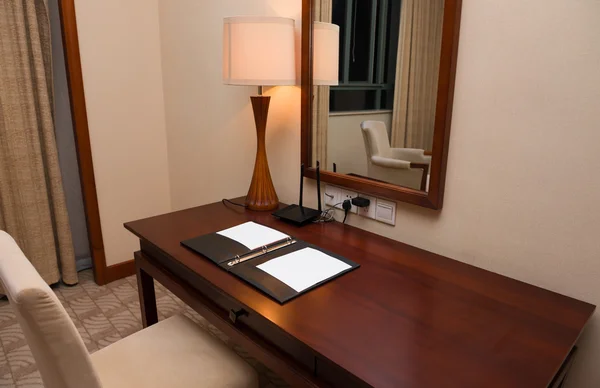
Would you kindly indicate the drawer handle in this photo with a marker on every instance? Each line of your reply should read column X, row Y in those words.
column 234, row 315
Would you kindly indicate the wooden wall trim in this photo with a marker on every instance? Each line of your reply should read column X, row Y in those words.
column 82, row 137
column 306, row 82
column 120, row 271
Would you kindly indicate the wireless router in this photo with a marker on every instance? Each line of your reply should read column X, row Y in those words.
column 298, row 214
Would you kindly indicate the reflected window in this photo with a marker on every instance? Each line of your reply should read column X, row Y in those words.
column 368, row 50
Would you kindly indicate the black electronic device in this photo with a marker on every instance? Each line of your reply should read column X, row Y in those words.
column 299, row 214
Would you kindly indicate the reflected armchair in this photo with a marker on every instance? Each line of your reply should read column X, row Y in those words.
column 407, row 167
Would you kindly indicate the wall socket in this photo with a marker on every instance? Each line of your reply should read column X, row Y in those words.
column 332, row 195
column 348, row 195
column 379, row 209
column 369, row 211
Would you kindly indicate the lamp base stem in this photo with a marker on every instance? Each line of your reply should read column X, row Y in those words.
column 261, row 195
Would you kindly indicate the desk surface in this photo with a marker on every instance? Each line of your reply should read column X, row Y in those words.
column 407, row 317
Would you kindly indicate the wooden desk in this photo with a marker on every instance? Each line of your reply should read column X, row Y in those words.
column 406, row 318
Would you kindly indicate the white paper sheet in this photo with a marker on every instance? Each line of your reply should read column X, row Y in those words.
column 253, row 235
column 303, row 268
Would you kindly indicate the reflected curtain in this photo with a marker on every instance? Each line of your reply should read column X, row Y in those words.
column 32, row 201
column 320, row 113
column 417, row 71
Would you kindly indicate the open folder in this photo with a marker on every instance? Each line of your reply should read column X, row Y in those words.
column 277, row 264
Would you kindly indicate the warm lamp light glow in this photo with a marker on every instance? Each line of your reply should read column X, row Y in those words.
column 258, row 50
column 326, row 46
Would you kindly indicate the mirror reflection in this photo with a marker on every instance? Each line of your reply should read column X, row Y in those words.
column 376, row 67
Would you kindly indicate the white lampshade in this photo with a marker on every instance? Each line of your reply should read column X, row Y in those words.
column 326, row 51
column 258, row 50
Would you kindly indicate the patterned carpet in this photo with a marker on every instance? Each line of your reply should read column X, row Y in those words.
column 103, row 315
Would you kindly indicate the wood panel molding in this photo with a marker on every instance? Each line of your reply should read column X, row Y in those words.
column 119, row 271
column 82, row 137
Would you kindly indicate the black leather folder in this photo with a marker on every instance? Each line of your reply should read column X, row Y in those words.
column 241, row 261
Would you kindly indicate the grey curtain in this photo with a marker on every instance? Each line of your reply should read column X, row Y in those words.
column 65, row 142
column 32, row 201
column 417, row 71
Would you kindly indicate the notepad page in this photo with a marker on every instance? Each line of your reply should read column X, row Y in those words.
column 304, row 268
column 253, row 235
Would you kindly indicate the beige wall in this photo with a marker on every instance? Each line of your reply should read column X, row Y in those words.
column 345, row 144
column 211, row 132
column 120, row 55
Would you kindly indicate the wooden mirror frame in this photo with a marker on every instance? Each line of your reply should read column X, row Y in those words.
column 443, row 117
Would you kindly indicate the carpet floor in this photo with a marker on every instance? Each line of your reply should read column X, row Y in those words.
column 103, row 315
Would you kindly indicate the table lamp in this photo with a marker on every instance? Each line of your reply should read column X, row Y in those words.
column 259, row 51
column 326, row 54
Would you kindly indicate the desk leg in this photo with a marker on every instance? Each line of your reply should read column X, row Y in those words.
column 147, row 296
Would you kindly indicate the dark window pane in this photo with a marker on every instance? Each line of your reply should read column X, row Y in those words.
column 352, row 100
column 360, row 43
column 368, row 51
column 339, row 17
column 379, row 45
column 387, row 99
column 392, row 39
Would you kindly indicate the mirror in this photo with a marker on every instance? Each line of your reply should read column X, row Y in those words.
column 381, row 94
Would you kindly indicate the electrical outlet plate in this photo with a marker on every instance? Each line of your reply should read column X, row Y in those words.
column 385, row 211
column 348, row 195
column 379, row 209
column 369, row 211
column 332, row 195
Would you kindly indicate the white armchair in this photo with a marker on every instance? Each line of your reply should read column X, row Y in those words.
column 399, row 166
column 174, row 353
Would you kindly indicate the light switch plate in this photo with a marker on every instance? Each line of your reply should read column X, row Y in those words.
column 369, row 211
column 386, row 211
column 332, row 195
column 349, row 195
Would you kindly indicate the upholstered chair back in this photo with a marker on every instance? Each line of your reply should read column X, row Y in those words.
column 377, row 142
column 59, row 351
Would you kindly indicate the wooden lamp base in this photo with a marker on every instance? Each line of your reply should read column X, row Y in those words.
column 261, row 195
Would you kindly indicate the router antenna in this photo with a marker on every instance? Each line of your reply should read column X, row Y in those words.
column 319, row 185
column 301, row 184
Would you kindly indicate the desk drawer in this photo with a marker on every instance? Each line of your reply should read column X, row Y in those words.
column 249, row 328
column 263, row 328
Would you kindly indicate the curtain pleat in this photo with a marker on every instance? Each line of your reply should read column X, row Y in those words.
column 32, row 201
column 320, row 119
column 417, row 72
